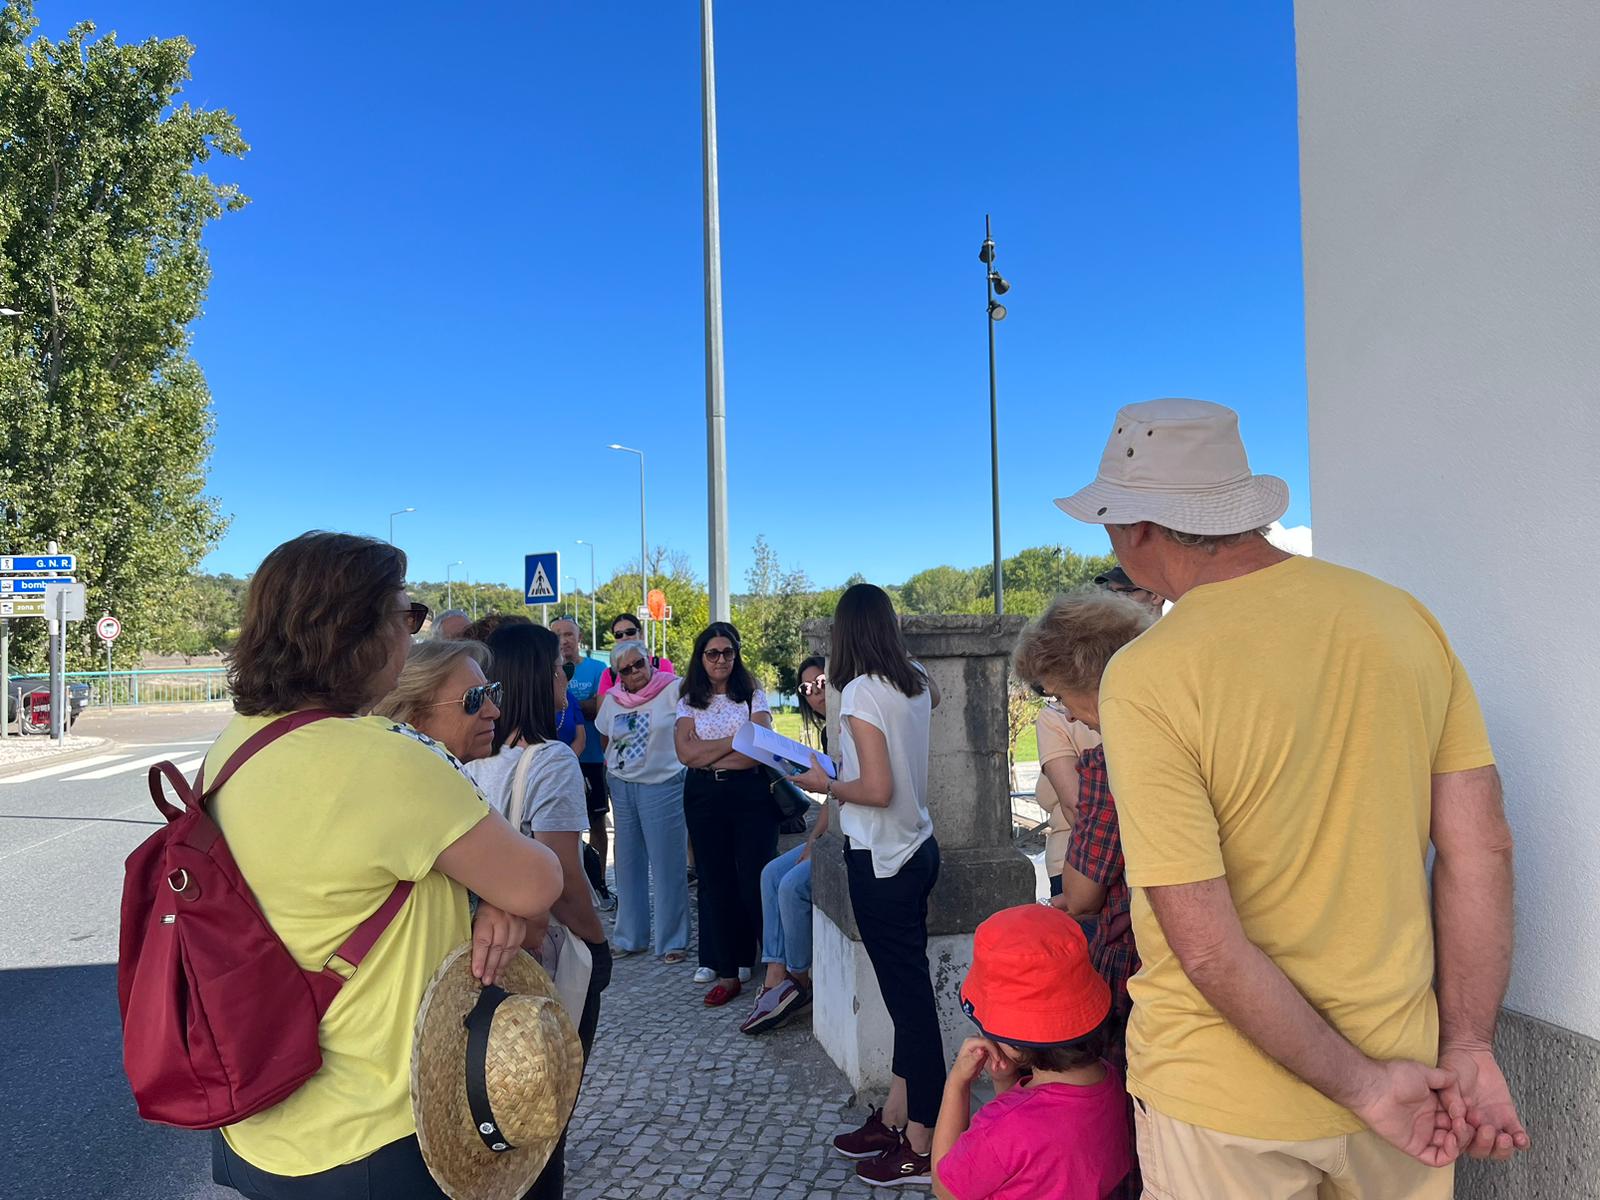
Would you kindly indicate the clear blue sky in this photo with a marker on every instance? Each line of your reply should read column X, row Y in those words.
column 473, row 258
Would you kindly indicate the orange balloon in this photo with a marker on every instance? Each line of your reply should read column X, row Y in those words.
column 657, row 604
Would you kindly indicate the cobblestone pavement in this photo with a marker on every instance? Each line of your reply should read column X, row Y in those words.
column 678, row 1103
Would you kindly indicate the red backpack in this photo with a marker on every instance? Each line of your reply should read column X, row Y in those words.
column 218, row 1020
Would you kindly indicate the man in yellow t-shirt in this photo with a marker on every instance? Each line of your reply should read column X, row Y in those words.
column 1284, row 746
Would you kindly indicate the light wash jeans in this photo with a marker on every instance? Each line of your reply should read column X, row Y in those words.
column 652, row 852
column 786, row 911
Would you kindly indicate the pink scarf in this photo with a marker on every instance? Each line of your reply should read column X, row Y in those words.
column 648, row 692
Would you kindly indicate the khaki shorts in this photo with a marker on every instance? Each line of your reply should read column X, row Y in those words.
column 1185, row 1162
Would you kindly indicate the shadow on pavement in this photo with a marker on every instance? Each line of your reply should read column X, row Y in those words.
column 67, row 1119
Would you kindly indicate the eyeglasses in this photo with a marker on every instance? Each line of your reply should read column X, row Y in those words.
column 629, row 668
column 472, row 699
column 624, row 635
column 819, row 684
column 416, row 616
column 724, row 655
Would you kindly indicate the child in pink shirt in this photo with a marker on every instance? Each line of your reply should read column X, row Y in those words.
column 1057, row 1128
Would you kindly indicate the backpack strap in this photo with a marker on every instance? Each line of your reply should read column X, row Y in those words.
column 256, row 742
column 325, row 984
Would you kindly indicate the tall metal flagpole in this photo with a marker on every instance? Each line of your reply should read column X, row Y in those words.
column 716, row 410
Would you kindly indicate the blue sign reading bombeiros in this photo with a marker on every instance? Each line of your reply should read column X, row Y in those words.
column 10, row 564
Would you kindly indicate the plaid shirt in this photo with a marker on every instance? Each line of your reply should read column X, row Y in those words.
column 1095, row 852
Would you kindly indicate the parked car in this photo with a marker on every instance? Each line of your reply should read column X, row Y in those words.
column 32, row 719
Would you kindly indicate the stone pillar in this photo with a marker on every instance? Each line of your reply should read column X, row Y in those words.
column 969, row 798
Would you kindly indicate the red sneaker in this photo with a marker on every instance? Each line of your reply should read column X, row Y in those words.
column 899, row 1167
column 870, row 1140
column 721, row 994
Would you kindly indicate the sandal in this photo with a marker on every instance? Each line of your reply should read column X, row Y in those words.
column 674, row 957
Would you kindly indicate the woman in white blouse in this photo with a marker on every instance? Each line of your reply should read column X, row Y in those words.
column 733, row 821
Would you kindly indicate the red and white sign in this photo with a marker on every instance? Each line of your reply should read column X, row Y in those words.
column 108, row 627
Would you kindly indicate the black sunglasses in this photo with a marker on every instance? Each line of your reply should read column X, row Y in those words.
column 637, row 664
column 416, row 616
column 723, row 655
column 472, row 699
column 624, row 635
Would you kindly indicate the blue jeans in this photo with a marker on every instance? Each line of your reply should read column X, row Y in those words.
column 652, row 852
column 786, row 911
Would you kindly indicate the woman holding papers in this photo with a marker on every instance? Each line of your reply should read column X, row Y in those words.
column 891, row 862
column 786, row 890
column 636, row 721
column 733, row 822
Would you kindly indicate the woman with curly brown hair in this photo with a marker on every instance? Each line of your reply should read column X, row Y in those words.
column 324, row 823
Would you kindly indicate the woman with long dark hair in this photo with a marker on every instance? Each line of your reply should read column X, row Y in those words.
column 892, row 863
column 554, row 807
column 733, row 823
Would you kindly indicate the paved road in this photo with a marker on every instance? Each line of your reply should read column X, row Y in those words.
column 676, row 1102
column 66, row 1118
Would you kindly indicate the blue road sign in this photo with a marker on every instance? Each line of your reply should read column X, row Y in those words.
column 541, row 575
column 32, row 585
column 10, row 564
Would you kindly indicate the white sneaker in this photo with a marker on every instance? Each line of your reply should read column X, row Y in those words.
column 744, row 974
column 704, row 975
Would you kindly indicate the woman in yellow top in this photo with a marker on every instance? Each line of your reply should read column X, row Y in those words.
column 323, row 823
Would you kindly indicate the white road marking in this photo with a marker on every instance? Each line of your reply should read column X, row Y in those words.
column 61, row 768
column 136, row 765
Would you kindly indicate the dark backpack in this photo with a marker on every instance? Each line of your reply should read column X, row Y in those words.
column 218, row 1020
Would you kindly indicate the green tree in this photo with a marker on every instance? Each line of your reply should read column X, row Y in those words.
column 769, row 617
column 105, row 421
column 203, row 618
column 686, row 594
column 941, row 590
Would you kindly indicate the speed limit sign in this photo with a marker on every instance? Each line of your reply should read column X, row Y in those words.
column 108, row 628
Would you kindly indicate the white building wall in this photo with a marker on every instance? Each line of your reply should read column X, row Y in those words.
column 1450, row 174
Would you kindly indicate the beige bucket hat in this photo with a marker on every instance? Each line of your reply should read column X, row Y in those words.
column 494, row 1076
column 1179, row 463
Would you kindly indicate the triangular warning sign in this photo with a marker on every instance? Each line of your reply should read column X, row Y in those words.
column 540, row 584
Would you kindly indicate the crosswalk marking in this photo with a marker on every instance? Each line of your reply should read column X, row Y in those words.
column 137, row 764
column 61, row 768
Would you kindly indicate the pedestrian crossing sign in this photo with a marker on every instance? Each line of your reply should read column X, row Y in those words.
column 539, row 575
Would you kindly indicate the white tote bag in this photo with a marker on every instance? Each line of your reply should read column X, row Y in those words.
column 563, row 954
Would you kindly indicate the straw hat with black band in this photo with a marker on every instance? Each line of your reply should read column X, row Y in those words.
column 494, row 1077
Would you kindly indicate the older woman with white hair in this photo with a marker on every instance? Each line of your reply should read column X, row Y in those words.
column 636, row 722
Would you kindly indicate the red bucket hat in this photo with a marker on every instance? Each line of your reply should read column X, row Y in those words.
column 1031, row 982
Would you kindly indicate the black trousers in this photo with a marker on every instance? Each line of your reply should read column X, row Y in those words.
column 892, row 915
column 392, row 1172
column 552, row 1180
column 734, row 828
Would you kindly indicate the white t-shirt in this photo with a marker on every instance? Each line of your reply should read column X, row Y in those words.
column 641, row 749
column 892, row 834
column 723, row 716
column 554, row 800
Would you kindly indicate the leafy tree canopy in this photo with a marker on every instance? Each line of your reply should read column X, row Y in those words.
column 105, row 418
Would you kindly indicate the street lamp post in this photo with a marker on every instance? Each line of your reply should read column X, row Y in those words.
column 644, row 568
column 997, row 286
column 716, row 405
column 449, row 592
column 399, row 512
column 594, row 627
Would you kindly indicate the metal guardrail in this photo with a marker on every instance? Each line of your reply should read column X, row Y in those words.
column 156, row 685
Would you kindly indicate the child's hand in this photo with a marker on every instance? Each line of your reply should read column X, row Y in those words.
column 970, row 1061
column 1002, row 1068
